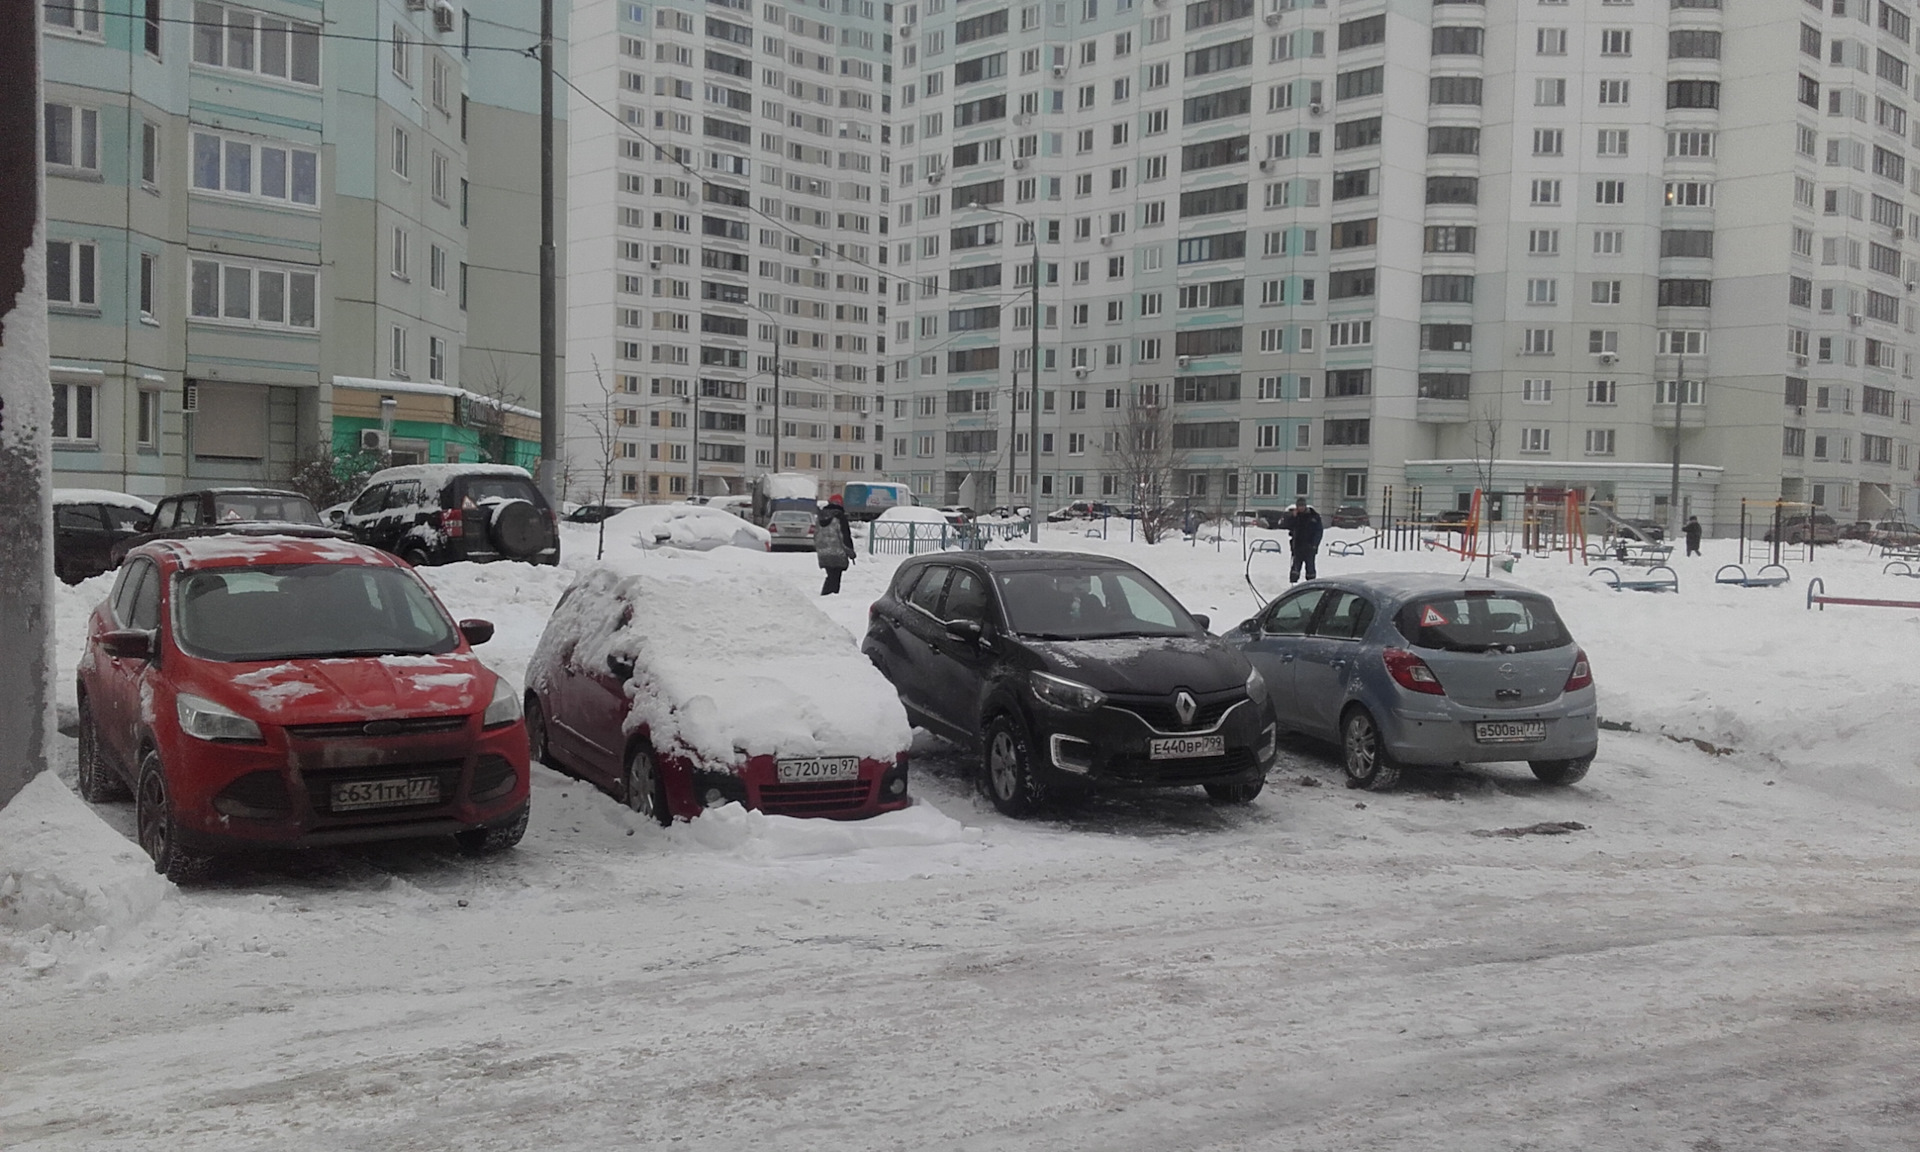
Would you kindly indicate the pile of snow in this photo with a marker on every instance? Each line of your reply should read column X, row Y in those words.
column 751, row 835
column 693, row 527
column 66, row 877
column 728, row 662
column 100, row 496
column 790, row 486
column 914, row 514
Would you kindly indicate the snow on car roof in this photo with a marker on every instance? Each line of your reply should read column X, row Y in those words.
column 914, row 514
column 791, row 486
column 100, row 496
column 446, row 472
column 219, row 551
column 696, row 527
column 728, row 662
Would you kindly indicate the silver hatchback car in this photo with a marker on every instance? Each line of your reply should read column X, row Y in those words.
column 1417, row 669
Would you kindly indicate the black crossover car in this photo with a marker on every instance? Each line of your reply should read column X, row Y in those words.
column 446, row 513
column 228, row 512
column 1070, row 672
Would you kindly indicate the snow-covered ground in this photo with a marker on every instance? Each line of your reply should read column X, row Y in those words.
column 1725, row 958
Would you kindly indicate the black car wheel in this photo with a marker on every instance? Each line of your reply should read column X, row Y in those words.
column 1009, row 767
column 158, row 832
column 416, row 556
column 1561, row 771
column 536, row 721
column 98, row 782
column 642, row 788
column 1367, row 761
column 486, row 841
column 1235, row 793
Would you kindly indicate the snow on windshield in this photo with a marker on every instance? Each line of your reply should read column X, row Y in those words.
column 728, row 662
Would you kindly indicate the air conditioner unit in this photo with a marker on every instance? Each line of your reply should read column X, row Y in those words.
column 1183, row 361
column 1020, row 163
column 1800, row 361
column 443, row 16
column 1899, row 233
column 1059, row 70
column 1106, row 238
column 1316, row 108
column 814, row 259
column 190, row 398
column 1083, row 371
column 906, row 31
column 373, row 440
column 1273, row 17
column 654, row 264
column 416, row 5
column 1855, row 319
column 1609, row 357
column 1266, row 165
column 933, row 177
column 1799, row 409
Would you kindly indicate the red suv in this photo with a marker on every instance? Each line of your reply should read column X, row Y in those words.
column 281, row 692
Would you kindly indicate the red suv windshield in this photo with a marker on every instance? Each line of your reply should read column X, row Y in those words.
column 288, row 611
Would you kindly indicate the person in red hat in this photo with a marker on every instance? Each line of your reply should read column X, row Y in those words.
column 833, row 543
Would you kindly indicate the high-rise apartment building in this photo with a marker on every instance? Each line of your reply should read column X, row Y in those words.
column 249, row 201
column 1354, row 244
column 728, row 242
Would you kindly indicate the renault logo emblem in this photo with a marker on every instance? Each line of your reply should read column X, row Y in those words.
column 1185, row 707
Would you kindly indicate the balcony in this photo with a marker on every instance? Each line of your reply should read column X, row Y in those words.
column 1429, row 410
column 1692, row 417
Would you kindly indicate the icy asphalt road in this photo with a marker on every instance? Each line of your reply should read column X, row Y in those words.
column 1717, row 963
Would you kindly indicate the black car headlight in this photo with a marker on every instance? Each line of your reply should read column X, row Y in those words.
column 1063, row 693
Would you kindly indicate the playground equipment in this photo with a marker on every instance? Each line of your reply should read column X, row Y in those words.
column 1346, row 548
column 1649, row 581
column 1769, row 576
column 1767, row 519
column 1900, row 568
column 1817, row 594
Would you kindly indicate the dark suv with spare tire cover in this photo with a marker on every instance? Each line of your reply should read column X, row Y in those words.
column 1071, row 673
column 445, row 513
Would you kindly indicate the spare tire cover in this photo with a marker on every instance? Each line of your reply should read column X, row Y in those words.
column 518, row 529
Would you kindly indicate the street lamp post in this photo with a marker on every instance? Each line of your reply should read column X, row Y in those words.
column 1033, row 372
column 1673, row 489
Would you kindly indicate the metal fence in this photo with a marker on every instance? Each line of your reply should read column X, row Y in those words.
column 913, row 537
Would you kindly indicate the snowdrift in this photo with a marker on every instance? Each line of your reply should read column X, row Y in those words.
column 693, row 527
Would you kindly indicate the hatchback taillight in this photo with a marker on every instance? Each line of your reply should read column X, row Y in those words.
column 1411, row 672
column 1582, row 675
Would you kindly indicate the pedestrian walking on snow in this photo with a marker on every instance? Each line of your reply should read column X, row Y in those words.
column 1692, row 531
column 833, row 544
column 1302, row 525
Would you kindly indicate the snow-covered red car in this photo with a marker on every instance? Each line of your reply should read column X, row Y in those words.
column 692, row 683
column 278, row 692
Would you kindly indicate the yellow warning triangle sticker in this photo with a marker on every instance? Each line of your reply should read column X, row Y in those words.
column 1431, row 618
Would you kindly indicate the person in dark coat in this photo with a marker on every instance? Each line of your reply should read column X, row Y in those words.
column 833, row 544
column 1692, row 531
column 1302, row 525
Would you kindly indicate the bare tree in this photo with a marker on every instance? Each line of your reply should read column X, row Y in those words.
column 1146, row 460
column 604, row 434
column 494, row 380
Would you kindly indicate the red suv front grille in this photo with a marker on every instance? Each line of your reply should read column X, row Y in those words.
column 411, row 726
column 815, row 799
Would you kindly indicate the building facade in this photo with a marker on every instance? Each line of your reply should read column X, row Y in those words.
column 727, row 227
column 245, row 201
column 1356, row 244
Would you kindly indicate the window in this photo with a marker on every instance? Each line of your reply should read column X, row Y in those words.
column 1546, row 192
column 240, row 166
column 1548, row 141
column 1341, row 433
column 1543, row 241
column 436, row 358
column 73, row 273
column 149, row 154
column 72, row 137
column 1453, row 90
column 1550, row 42
column 436, row 268
column 1542, row 290
column 1446, row 289
column 1602, row 340
column 1693, row 94
column 242, row 41
column 258, row 294
column 400, row 54
column 1616, row 42
column 1536, row 391
column 1453, row 140
column 1537, row 342
column 1450, row 238
column 81, row 17
column 1356, row 133
column 1602, row 392
column 149, row 280
column 1550, row 92
column 439, row 181
column 147, row 428
column 1689, row 194
column 1695, row 44
column 402, row 152
column 1690, row 143
column 1614, row 92
column 397, row 351
column 1612, row 142
column 1609, row 241
column 1453, row 190
column 1606, row 292
column 1362, row 32
column 1600, row 441
column 1536, row 440
column 73, row 408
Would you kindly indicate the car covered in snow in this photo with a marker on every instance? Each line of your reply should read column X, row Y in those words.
column 689, row 527
column 87, row 523
column 1070, row 672
column 1421, row 669
column 286, row 693
column 446, row 513
column 681, row 687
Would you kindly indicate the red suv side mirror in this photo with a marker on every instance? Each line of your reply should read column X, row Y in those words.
column 128, row 644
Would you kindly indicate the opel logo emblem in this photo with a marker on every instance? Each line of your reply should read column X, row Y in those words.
column 1507, row 671
column 1185, row 707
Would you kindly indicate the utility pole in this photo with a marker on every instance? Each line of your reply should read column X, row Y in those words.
column 776, row 396
column 1673, row 491
column 26, row 415
column 1033, row 410
column 1013, row 434
column 697, row 384
column 550, row 413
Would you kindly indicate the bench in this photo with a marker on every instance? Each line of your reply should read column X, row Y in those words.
column 1649, row 581
column 1760, row 579
column 1346, row 548
column 1638, row 555
column 1907, row 552
column 1817, row 594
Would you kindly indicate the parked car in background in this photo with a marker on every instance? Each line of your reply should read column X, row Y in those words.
column 1070, row 672
column 680, row 691
column 293, row 693
column 792, row 531
column 87, row 523
column 1081, row 510
column 446, row 513
column 1894, row 534
column 693, row 527
column 867, row 499
column 1819, row 528
column 1349, row 516
column 594, row 513
column 957, row 514
column 1417, row 669
column 229, row 512
column 1449, row 520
